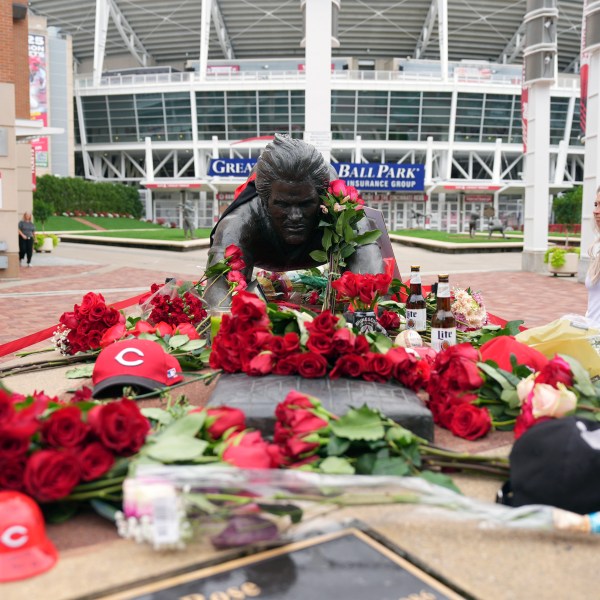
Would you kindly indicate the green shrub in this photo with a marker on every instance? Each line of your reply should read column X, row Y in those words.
column 555, row 255
column 39, row 240
column 567, row 206
column 71, row 194
column 42, row 211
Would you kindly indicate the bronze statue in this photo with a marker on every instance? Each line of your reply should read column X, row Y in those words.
column 274, row 220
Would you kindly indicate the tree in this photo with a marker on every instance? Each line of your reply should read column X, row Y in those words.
column 567, row 206
column 41, row 211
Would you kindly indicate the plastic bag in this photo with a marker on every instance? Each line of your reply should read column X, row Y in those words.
column 573, row 335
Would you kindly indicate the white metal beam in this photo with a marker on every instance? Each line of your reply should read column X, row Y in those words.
column 513, row 47
column 100, row 31
column 221, row 29
column 443, row 36
column 204, row 37
column 132, row 42
column 426, row 31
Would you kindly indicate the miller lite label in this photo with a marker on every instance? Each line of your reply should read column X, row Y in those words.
column 442, row 339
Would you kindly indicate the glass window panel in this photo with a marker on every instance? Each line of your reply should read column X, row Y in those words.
column 210, row 112
column 95, row 119
column 435, row 115
column 468, row 117
column 516, row 134
column 497, row 117
column 151, row 116
column 241, row 115
column 372, row 108
column 576, row 127
column 404, row 115
column 274, row 112
column 178, row 115
column 559, row 108
column 343, row 109
column 298, row 113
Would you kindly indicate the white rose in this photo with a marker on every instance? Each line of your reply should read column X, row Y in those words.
column 524, row 388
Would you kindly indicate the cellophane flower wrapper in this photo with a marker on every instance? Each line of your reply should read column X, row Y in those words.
column 174, row 302
column 162, row 503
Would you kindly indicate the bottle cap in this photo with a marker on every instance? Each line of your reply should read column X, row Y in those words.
column 443, row 276
column 415, row 268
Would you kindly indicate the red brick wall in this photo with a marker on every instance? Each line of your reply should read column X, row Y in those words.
column 21, row 66
column 7, row 55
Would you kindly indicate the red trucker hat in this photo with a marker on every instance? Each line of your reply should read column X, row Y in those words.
column 140, row 364
column 25, row 550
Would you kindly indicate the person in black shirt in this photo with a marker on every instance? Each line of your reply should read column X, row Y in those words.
column 26, row 235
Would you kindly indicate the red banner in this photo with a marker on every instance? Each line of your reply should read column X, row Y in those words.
column 524, row 109
column 583, row 74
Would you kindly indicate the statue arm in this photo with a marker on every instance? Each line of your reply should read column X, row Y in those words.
column 367, row 258
column 231, row 229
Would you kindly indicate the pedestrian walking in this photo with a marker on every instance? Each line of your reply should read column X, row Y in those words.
column 26, row 236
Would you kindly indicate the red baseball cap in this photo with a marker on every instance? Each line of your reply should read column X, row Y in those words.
column 25, row 550
column 139, row 364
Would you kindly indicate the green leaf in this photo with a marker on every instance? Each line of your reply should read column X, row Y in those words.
column 104, row 509
column 382, row 343
column 391, row 466
column 582, row 377
column 337, row 446
column 187, row 426
column 59, row 512
column 511, row 398
column 495, row 375
column 319, row 256
column 176, row 449
column 334, row 465
column 401, row 436
column 440, row 479
column 283, row 510
column 347, row 250
column 365, row 463
column 177, row 341
column 327, row 239
column 192, row 345
column 361, row 424
column 201, row 502
column 157, row 414
column 82, row 372
column 368, row 237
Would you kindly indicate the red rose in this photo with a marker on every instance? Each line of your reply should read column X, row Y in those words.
column 97, row 312
column 346, row 285
column 64, row 428
column 324, row 323
column 12, row 472
column 187, row 329
column 526, row 420
column 238, row 278
column 343, row 341
column 120, row 426
column 113, row 334
column 313, row 298
column 311, row 365
column 143, row 327
column 337, row 187
column 248, row 450
column 15, row 440
column 51, row 475
column 69, row 320
column 163, row 329
column 382, row 283
column 556, row 371
column 249, row 308
column 389, row 320
column 470, row 422
column 94, row 461
column 361, row 345
column 223, row 418
column 261, row 364
column 294, row 399
column 7, row 410
column 288, row 365
column 112, row 316
column 234, row 257
column 378, row 368
column 351, row 365
column 283, row 346
column 89, row 301
column 321, row 343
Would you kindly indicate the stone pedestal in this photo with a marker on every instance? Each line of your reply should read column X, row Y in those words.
column 258, row 397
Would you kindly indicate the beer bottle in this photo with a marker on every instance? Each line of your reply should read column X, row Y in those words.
column 443, row 323
column 416, row 317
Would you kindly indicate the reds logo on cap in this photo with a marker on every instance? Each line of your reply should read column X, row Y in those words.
column 25, row 550
column 140, row 364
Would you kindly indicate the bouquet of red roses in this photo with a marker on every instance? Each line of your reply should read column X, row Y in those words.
column 82, row 329
column 48, row 447
column 173, row 303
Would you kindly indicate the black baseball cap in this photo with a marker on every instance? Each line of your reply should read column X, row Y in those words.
column 557, row 463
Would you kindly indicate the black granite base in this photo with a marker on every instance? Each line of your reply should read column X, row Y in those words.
column 258, row 397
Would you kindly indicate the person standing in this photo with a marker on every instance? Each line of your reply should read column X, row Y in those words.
column 473, row 217
column 592, row 279
column 26, row 234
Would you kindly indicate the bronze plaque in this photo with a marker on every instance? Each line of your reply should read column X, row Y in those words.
column 349, row 565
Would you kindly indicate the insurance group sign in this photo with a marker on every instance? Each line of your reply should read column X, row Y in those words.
column 388, row 177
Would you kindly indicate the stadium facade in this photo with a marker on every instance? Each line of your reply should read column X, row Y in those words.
column 183, row 124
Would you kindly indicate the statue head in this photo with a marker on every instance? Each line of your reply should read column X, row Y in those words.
column 290, row 177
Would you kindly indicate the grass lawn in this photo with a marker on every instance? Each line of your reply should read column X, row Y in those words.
column 64, row 224
column 160, row 233
column 70, row 224
column 454, row 238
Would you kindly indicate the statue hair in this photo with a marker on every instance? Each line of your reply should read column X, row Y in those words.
column 293, row 161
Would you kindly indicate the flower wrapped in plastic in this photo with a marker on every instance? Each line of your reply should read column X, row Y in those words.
column 468, row 309
column 173, row 303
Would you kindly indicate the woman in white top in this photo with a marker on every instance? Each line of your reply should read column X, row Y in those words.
column 592, row 280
